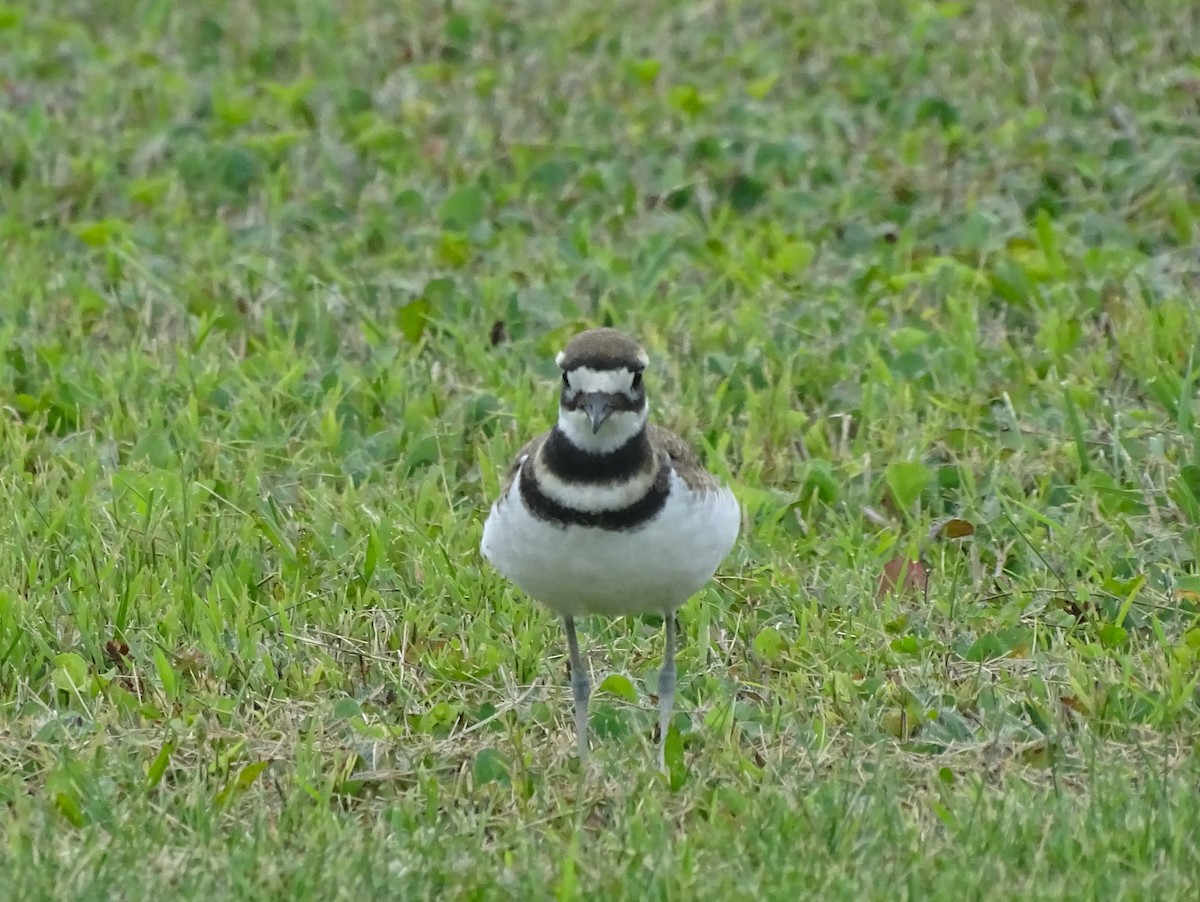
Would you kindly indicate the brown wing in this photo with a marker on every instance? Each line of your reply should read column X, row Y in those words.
column 530, row 449
column 685, row 462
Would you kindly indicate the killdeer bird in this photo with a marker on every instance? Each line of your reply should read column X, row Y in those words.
column 605, row 514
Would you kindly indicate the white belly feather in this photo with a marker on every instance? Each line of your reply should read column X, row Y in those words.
column 579, row 570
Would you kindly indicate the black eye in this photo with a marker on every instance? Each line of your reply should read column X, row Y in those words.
column 566, row 381
column 637, row 381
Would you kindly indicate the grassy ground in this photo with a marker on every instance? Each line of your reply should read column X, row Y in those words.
column 279, row 298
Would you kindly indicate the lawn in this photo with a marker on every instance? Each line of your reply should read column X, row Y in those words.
column 280, row 291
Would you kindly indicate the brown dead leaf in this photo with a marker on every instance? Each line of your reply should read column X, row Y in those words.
column 1077, row 610
column 1073, row 703
column 951, row 528
column 903, row 574
column 499, row 333
column 117, row 653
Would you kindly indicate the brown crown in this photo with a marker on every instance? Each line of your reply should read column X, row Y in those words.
column 602, row 349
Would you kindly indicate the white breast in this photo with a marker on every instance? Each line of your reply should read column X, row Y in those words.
column 580, row 570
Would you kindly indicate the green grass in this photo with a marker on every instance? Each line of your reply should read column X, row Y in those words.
column 279, row 299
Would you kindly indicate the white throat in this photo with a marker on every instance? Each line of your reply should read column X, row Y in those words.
column 619, row 428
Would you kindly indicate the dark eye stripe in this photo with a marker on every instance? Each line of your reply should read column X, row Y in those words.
column 573, row 400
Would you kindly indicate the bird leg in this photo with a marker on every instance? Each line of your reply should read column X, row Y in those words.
column 666, row 690
column 581, row 689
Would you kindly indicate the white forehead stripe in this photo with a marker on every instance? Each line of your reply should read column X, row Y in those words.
column 586, row 379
